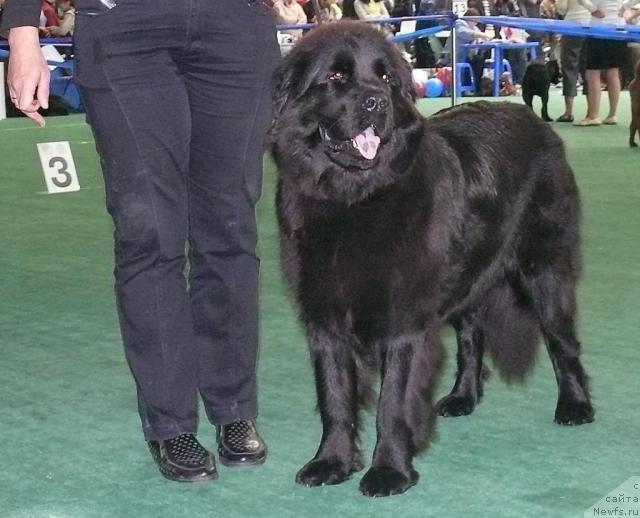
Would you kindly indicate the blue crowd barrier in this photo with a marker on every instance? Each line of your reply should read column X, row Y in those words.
column 446, row 21
column 607, row 31
column 596, row 30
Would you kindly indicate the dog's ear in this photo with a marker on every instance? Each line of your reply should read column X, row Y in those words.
column 282, row 87
column 289, row 80
column 407, row 89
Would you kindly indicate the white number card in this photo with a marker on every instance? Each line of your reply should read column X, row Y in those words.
column 459, row 7
column 58, row 167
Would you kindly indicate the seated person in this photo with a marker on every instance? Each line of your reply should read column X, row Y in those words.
column 329, row 11
column 517, row 57
column 289, row 12
column 66, row 21
column 369, row 10
column 48, row 15
column 466, row 32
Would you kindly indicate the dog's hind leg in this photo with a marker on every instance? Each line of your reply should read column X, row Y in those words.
column 553, row 296
column 336, row 385
column 406, row 413
column 467, row 389
column 545, row 102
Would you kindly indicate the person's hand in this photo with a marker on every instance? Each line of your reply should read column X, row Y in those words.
column 28, row 77
column 597, row 14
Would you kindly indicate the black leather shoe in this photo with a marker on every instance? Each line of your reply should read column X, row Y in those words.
column 183, row 459
column 240, row 444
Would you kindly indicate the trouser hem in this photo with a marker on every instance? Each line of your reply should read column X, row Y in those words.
column 239, row 411
column 159, row 433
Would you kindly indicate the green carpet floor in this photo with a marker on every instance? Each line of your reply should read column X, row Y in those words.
column 70, row 443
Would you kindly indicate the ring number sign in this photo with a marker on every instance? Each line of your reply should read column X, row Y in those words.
column 58, row 167
column 459, row 7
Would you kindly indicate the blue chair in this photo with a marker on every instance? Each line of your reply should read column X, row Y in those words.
column 465, row 80
column 506, row 66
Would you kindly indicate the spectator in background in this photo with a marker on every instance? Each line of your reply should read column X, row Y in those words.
column 369, row 10
column 48, row 16
column 603, row 55
column 289, row 12
column 550, row 42
column 571, row 54
column 466, row 32
column 517, row 57
column 67, row 20
column 329, row 11
column 348, row 10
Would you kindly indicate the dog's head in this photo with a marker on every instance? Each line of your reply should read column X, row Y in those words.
column 344, row 109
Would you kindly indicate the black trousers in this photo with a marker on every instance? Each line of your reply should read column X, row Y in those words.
column 178, row 95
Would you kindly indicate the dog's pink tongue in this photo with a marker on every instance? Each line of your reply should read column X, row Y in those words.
column 367, row 143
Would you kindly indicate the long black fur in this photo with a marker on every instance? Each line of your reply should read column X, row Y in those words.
column 462, row 219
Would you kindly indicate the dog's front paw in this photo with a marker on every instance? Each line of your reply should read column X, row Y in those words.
column 385, row 481
column 570, row 412
column 319, row 472
column 455, row 405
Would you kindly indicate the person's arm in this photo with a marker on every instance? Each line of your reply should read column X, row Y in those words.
column 590, row 6
column 66, row 25
column 302, row 16
column 360, row 12
column 363, row 14
column 28, row 77
column 19, row 13
column 633, row 15
column 279, row 12
column 626, row 4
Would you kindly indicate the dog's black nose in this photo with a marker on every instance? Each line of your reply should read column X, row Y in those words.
column 375, row 103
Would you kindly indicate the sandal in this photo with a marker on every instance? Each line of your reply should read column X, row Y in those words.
column 588, row 122
column 611, row 120
column 565, row 118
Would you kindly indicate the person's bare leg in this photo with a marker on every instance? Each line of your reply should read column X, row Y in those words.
column 613, row 88
column 593, row 95
column 568, row 105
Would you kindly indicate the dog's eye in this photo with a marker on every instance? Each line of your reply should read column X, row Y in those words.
column 337, row 76
column 386, row 78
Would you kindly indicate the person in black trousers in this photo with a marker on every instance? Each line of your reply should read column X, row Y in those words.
column 178, row 96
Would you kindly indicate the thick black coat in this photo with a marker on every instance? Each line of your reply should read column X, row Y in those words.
column 469, row 218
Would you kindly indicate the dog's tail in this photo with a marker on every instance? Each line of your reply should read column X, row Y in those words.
column 511, row 332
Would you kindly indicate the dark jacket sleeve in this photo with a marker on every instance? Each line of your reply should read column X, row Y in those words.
column 18, row 13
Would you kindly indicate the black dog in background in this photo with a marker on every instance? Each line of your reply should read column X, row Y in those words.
column 393, row 226
column 536, row 81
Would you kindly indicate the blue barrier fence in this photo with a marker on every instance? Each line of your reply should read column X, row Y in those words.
column 446, row 22
column 596, row 30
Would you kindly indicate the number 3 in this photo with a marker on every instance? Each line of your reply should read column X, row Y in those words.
column 62, row 171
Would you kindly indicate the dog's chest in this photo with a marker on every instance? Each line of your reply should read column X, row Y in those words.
column 356, row 260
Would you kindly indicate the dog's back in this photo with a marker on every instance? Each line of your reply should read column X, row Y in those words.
column 634, row 94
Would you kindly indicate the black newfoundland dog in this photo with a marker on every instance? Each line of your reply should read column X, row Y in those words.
column 393, row 226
